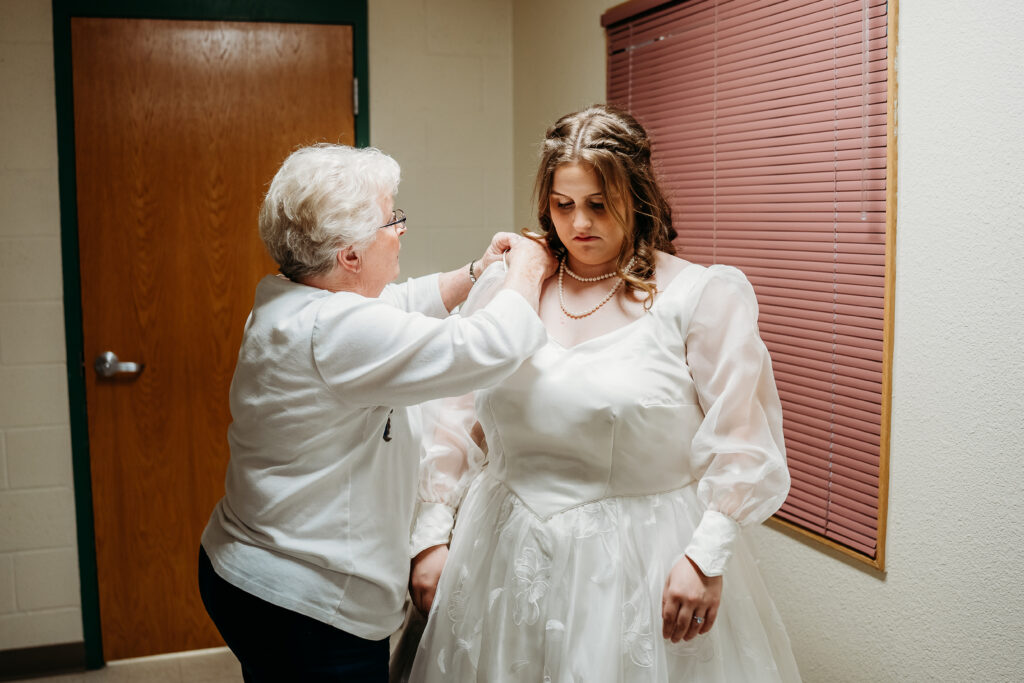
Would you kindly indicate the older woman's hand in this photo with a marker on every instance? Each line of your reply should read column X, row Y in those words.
column 500, row 243
column 530, row 264
column 531, row 254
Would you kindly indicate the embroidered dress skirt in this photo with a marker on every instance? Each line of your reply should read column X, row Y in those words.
column 576, row 597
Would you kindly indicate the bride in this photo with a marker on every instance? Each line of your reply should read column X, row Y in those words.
column 598, row 536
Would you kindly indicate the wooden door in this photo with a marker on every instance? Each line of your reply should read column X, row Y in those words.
column 179, row 127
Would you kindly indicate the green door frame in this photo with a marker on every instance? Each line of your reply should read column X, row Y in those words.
column 348, row 12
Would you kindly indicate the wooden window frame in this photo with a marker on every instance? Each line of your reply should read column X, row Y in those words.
column 634, row 8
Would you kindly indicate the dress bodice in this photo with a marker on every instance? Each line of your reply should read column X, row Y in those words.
column 682, row 398
column 611, row 416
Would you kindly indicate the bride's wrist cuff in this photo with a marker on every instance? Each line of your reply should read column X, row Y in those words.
column 434, row 522
column 711, row 545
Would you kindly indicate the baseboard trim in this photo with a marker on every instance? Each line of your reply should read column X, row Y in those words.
column 32, row 662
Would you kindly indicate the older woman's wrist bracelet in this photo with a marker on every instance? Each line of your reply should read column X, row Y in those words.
column 472, row 275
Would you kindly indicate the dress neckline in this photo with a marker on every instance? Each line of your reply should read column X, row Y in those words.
column 604, row 336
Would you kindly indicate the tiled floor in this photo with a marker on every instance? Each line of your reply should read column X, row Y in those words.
column 201, row 666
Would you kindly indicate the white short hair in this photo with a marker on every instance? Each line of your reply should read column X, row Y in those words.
column 324, row 198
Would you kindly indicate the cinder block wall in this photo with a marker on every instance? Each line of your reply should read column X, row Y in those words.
column 39, row 593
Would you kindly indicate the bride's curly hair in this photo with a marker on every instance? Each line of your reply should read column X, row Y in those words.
column 611, row 141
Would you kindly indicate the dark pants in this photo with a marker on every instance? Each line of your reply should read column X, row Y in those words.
column 276, row 644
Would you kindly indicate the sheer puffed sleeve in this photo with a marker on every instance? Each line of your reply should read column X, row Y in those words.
column 451, row 457
column 738, row 451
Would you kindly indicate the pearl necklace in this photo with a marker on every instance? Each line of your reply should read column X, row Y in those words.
column 562, row 269
column 580, row 278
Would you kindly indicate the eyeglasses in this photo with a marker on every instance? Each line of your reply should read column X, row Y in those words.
column 399, row 218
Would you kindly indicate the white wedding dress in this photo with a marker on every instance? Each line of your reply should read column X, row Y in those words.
column 607, row 462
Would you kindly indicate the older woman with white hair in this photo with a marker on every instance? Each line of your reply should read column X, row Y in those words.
column 304, row 563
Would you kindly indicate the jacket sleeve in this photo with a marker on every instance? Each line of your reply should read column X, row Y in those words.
column 420, row 295
column 374, row 354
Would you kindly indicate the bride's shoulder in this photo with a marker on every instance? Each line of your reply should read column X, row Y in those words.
column 667, row 267
column 671, row 274
column 670, row 268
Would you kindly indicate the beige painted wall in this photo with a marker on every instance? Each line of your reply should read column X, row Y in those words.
column 950, row 607
column 558, row 68
column 441, row 104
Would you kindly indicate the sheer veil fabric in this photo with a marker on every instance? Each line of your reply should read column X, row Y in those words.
column 606, row 463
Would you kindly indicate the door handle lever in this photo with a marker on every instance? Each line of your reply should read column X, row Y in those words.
column 107, row 365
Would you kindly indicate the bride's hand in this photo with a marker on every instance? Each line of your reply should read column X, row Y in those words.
column 426, row 572
column 689, row 596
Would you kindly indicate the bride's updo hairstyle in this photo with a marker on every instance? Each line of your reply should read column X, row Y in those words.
column 618, row 149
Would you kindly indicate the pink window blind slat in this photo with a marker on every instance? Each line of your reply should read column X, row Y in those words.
column 816, row 291
column 850, row 228
column 856, row 394
column 803, row 503
column 797, row 313
column 854, row 415
column 811, row 340
column 766, row 252
column 736, row 44
column 805, row 420
column 782, row 365
column 737, row 39
column 862, row 345
column 860, row 240
column 844, row 363
column 845, row 421
column 843, row 510
column 803, row 367
column 846, row 502
column 851, row 539
column 800, row 298
column 791, row 514
column 861, row 402
column 790, row 14
column 855, row 483
column 804, row 496
column 807, row 470
column 797, row 183
column 855, row 469
column 850, row 439
column 849, row 514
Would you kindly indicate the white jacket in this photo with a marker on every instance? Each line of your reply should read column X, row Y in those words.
column 319, row 501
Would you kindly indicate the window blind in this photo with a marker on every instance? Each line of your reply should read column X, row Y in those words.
column 769, row 128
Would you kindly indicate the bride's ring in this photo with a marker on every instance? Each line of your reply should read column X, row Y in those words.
column 699, row 620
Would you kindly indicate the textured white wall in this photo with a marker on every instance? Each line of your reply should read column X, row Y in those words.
column 441, row 104
column 950, row 606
